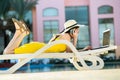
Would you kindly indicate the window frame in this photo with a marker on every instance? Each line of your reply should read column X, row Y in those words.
column 52, row 8
column 102, row 7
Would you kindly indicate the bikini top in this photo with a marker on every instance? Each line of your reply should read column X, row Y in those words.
column 56, row 37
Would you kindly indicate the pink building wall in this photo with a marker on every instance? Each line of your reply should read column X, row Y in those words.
column 59, row 4
column 34, row 24
column 93, row 17
column 76, row 2
column 93, row 6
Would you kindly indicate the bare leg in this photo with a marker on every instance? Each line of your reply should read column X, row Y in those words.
column 20, row 33
column 16, row 35
column 10, row 48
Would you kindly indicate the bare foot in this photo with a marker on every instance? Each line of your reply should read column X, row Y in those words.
column 18, row 27
column 26, row 29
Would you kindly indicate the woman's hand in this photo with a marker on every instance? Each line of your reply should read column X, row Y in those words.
column 87, row 48
column 75, row 36
column 75, row 33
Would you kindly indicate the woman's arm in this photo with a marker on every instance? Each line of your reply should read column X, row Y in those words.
column 66, row 36
column 75, row 36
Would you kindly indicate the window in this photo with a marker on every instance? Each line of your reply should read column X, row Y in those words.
column 50, row 12
column 104, row 24
column 50, row 28
column 80, row 14
column 105, row 10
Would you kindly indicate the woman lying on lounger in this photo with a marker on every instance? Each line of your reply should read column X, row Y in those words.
column 70, row 33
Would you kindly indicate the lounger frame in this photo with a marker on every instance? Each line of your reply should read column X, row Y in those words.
column 74, row 58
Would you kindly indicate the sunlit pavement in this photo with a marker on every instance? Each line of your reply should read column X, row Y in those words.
column 106, row 74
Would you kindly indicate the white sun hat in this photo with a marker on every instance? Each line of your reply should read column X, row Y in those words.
column 70, row 24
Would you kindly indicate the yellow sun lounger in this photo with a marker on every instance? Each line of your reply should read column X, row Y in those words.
column 75, row 57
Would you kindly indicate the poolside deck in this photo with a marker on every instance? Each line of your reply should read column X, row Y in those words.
column 106, row 74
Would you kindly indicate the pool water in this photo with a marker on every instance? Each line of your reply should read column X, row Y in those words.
column 58, row 67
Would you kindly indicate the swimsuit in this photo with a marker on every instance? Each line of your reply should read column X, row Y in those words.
column 34, row 46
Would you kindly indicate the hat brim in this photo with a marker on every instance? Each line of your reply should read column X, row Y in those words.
column 78, row 25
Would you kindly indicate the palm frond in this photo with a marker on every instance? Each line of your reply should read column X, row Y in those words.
column 22, row 6
column 4, row 7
